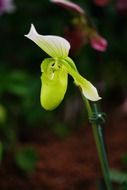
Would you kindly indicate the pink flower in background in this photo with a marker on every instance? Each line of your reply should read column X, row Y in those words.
column 69, row 5
column 81, row 32
column 6, row 6
column 99, row 43
column 76, row 37
column 101, row 3
column 122, row 7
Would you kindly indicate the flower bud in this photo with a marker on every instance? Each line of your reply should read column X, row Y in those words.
column 98, row 43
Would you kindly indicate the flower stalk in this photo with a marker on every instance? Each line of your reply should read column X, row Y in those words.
column 96, row 119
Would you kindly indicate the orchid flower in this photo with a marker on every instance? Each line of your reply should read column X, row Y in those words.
column 55, row 70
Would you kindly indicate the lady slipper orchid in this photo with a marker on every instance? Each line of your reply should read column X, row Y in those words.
column 55, row 70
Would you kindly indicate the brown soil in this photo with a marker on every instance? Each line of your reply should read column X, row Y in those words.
column 68, row 164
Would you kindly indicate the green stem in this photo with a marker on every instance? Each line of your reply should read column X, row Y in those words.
column 97, row 131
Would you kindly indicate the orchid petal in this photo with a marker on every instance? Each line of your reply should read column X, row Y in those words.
column 98, row 43
column 55, row 46
column 69, row 5
column 88, row 90
column 54, row 84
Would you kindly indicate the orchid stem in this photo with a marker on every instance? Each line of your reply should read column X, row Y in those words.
column 96, row 120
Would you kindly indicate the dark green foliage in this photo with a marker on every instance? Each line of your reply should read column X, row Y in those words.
column 124, row 161
column 61, row 130
column 26, row 159
column 119, row 177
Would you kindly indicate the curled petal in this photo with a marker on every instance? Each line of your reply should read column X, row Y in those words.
column 55, row 46
column 88, row 90
column 69, row 5
column 98, row 43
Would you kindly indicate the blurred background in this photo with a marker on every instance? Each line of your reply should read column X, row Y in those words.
column 49, row 150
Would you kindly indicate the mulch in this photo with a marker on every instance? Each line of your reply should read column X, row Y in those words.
column 70, row 163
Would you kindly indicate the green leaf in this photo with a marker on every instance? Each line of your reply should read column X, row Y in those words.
column 26, row 159
column 119, row 177
column 124, row 160
column 61, row 130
